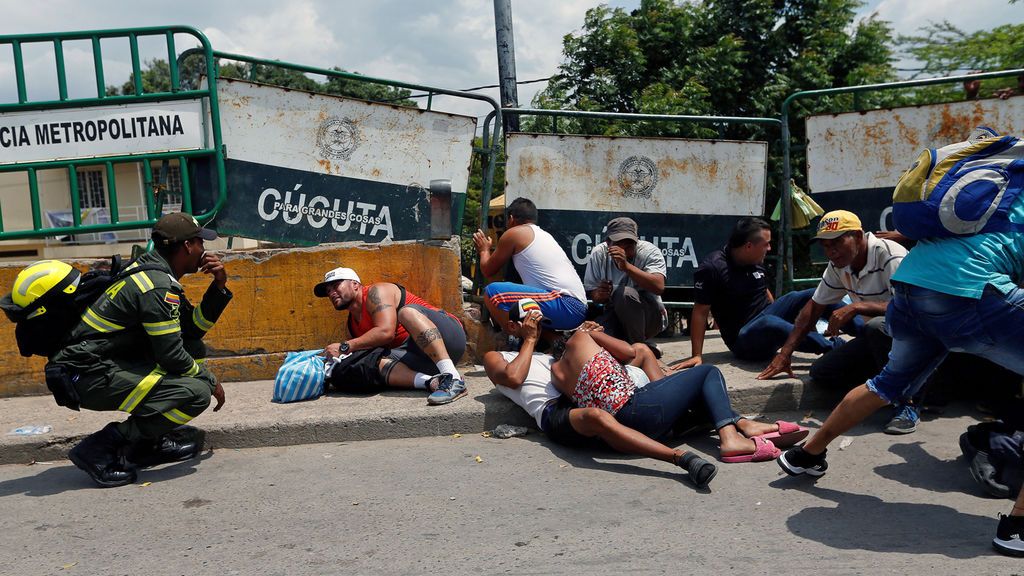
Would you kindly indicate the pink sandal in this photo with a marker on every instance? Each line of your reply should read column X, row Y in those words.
column 788, row 434
column 763, row 452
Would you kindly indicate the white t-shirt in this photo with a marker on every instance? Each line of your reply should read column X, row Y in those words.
column 543, row 264
column 537, row 390
column 874, row 281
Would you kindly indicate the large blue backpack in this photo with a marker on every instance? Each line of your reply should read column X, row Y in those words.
column 961, row 189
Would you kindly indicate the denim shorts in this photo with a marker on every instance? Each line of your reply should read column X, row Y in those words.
column 926, row 325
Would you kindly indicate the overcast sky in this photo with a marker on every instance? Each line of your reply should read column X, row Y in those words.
column 445, row 43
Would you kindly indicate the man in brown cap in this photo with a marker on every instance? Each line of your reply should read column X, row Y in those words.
column 138, row 349
column 627, row 275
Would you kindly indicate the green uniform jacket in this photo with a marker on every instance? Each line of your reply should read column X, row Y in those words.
column 141, row 318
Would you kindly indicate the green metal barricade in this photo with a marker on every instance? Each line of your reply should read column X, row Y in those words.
column 720, row 122
column 208, row 151
column 488, row 152
column 788, row 273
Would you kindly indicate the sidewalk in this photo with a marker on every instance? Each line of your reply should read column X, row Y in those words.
column 249, row 419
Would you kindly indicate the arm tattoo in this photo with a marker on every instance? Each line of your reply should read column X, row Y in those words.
column 423, row 339
column 376, row 301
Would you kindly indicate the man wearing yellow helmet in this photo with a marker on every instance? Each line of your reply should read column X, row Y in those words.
column 136, row 349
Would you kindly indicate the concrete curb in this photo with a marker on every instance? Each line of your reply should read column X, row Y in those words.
column 250, row 420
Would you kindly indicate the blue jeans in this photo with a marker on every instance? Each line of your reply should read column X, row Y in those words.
column 762, row 337
column 654, row 408
column 926, row 325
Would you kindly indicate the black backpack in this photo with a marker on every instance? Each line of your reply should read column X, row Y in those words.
column 44, row 334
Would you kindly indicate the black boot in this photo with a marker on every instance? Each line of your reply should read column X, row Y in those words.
column 101, row 456
column 182, row 443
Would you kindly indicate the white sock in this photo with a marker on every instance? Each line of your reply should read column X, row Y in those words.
column 420, row 380
column 446, row 366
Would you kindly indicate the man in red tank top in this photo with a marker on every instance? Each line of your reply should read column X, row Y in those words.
column 423, row 339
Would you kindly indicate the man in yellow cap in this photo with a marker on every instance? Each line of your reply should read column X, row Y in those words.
column 860, row 267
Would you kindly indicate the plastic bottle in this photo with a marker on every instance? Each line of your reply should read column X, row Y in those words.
column 31, row 430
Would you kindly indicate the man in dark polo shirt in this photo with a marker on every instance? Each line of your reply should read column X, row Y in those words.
column 731, row 283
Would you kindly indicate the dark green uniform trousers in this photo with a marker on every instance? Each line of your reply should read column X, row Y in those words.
column 158, row 402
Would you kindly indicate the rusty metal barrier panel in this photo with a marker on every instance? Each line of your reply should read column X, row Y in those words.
column 685, row 195
column 308, row 168
column 854, row 159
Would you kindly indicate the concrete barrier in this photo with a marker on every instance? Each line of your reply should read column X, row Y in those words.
column 274, row 310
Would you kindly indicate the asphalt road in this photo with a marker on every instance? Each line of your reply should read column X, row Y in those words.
column 475, row 505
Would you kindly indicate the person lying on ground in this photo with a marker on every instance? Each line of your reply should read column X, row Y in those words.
column 525, row 378
column 591, row 373
column 425, row 341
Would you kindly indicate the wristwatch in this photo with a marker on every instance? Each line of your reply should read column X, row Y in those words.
column 344, row 348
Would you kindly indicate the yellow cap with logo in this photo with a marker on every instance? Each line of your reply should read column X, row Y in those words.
column 836, row 223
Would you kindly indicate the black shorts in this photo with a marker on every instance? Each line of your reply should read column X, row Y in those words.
column 452, row 334
column 554, row 421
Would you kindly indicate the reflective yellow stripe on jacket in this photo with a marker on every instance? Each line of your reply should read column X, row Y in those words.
column 200, row 321
column 141, row 390
column 161, row 328
column 99, row 323
column 141, row 279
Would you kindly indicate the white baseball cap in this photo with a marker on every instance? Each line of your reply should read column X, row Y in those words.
column 320, row 290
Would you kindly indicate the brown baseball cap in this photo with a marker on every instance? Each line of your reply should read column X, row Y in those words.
column 178, row 227
column 622, row 228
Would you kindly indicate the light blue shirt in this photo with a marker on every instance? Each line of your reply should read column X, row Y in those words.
column 964, row 266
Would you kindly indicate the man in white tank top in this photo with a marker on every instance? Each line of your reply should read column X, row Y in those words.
column 549, row 278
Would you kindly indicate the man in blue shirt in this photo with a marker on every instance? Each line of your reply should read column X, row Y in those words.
column 959, row 294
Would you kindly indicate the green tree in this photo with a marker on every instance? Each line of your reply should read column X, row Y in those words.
column 718, row 57
column 721, row 58
column 156, row 77
column 944, row 49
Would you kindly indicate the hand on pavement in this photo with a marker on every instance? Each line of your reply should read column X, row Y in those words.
column 218, row 395
column 781, row 363
column 688, row 363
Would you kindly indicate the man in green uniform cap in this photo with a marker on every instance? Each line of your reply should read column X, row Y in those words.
column 138, row 349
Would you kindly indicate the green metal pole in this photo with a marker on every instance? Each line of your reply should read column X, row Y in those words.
column 186, row 186
column 115, row 214
column 222, row 196
column 172, row 61
column 33, row 194
column 62, row 76
column 19, row 72
column 147, row 190
column 785, row 214
column 76, row 203
column 133, row 42
column 97, row 60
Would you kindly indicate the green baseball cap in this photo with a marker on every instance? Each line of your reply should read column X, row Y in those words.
column 178, row 227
